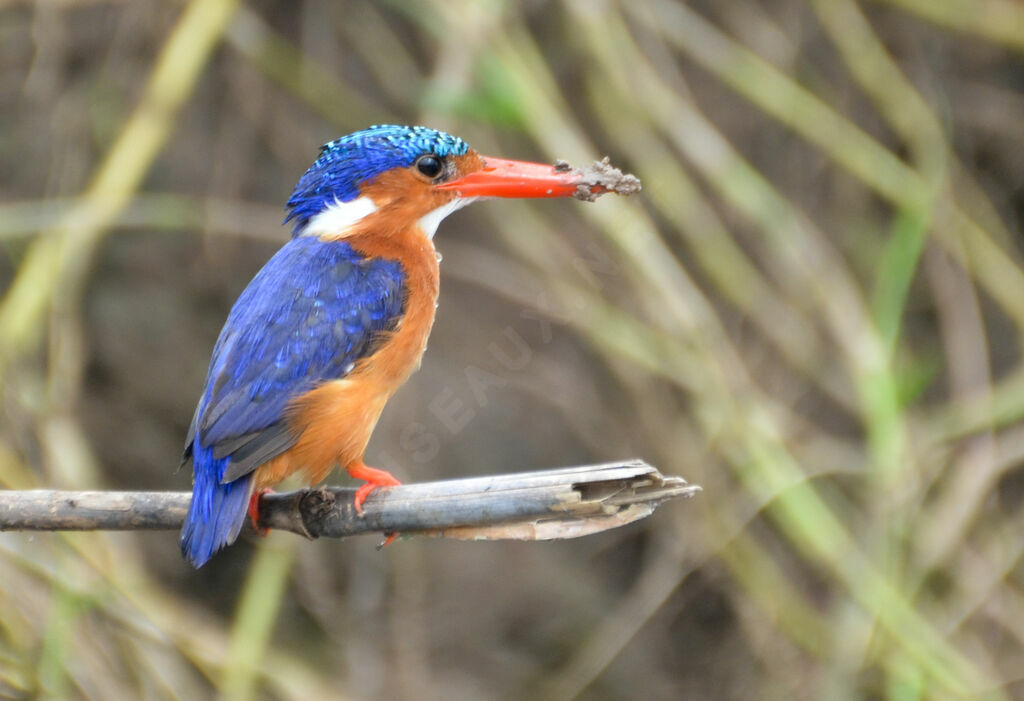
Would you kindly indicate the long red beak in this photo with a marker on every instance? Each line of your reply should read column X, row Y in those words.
column 501, row 177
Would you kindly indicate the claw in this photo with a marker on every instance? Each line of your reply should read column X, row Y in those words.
column 254, row 511
column 374, row 478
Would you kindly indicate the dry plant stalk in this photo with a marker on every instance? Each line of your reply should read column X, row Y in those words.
column 540, row 505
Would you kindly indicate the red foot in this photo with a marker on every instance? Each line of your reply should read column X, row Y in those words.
column 254, row 511
column 374, row 478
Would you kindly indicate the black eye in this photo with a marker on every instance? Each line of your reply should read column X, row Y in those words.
column 430, row 165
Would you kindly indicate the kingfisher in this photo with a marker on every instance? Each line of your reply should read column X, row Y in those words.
column 336, row 321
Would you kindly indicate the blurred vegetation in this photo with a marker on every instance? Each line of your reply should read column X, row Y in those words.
column 814, row 310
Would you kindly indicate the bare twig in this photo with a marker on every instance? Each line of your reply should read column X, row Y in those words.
column 542, row 505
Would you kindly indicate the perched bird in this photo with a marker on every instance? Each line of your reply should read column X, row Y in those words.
column 336, row 321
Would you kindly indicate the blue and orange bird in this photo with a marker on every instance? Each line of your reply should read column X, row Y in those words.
column 336, row 321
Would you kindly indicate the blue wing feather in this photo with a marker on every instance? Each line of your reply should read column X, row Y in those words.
column 314, row 309
column 310, row 313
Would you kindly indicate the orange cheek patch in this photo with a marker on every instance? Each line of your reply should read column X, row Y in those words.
column 402, row 198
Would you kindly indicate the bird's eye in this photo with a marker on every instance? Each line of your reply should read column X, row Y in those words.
column 429, row 165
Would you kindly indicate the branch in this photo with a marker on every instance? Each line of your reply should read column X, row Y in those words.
column 542, row 505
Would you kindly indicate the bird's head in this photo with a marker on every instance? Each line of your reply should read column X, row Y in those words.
column 391, row 176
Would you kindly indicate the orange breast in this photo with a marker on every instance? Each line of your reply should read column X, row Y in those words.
column 335, row 420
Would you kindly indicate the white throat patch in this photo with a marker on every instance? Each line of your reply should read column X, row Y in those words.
column 337, row 218
column 429, row 221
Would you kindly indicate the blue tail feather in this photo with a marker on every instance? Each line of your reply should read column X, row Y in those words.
column 217, row 512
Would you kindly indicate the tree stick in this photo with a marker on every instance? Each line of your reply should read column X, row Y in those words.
column 541, row 505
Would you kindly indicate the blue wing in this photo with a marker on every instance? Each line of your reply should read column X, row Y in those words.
column 314, row 309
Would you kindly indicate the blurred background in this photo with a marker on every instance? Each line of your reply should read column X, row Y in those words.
column 813, row 310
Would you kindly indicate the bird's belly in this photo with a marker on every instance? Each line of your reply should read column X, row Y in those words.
column 334, row 423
